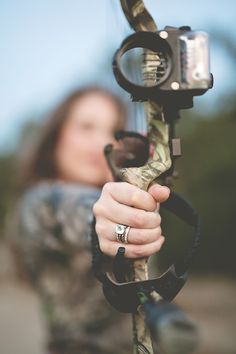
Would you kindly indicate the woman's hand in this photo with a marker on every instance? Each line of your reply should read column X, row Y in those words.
column 123, row 203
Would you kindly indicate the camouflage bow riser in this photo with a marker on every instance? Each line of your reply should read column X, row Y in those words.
column 160, row 162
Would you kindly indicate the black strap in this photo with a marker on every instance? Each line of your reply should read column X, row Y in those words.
column 184, row 211
column 124, row 296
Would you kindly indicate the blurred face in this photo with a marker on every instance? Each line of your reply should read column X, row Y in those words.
column 88, row 128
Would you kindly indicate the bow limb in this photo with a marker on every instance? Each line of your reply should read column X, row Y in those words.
column 138, row 16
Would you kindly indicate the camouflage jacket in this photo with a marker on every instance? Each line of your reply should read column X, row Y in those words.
column 53, row 240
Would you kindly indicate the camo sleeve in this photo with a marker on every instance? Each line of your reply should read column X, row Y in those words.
column 53, row 237
column 55, row 218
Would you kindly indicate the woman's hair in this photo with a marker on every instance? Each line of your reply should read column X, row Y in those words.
column 41, row 163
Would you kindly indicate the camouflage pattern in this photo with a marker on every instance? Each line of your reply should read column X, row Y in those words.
column 140, row 20
column 53, row 241
column 160, row 161
column 138, row 16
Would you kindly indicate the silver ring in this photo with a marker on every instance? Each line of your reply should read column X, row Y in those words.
column 121, row 233
column 126, row 235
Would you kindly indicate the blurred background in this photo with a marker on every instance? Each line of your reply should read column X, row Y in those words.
column 50, row 47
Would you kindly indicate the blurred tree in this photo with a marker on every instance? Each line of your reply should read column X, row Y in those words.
column 207, row 178
column 7, row 186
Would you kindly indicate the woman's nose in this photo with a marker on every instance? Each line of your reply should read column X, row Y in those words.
column 101, row 140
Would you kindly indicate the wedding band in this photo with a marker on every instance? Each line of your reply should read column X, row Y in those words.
column 121, row 233
column 126, row 235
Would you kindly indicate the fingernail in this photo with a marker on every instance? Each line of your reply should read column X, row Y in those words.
column 166, row 188
column 162, row 188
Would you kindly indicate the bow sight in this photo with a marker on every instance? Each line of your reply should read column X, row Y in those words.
column 182, row 69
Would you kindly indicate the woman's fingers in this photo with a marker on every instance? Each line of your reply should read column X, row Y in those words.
column 159, row 193
column 106, row 230
column 123, row 214
column 122, row 203
column 125, row 193
column 131, row 251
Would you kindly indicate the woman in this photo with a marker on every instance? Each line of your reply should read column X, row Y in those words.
column 65, row 178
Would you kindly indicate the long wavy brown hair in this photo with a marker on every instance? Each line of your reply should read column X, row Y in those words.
column 40, row 163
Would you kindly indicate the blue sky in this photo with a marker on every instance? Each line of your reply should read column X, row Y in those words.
column 50, row 46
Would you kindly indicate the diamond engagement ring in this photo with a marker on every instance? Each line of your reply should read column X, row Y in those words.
column 121, row 233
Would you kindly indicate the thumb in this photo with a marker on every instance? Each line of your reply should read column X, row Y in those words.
column 159, row 193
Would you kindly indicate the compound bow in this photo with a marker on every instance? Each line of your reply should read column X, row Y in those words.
column 175, row 68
